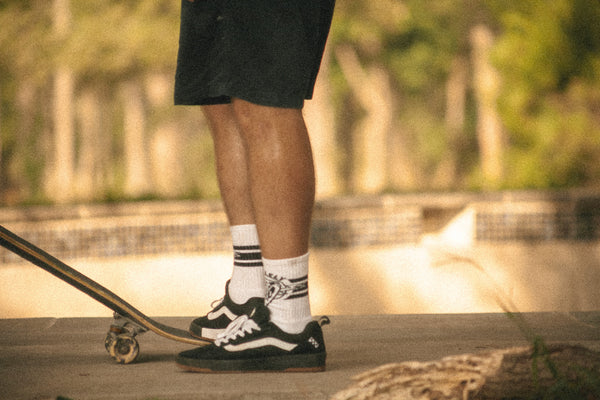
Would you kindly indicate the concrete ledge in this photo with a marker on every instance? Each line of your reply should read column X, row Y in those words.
column 150, row 228
column 389, row 254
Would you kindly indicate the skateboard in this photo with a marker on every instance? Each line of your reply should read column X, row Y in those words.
column 120, row 342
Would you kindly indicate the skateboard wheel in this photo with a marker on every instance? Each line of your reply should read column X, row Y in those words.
column 111, row 336
column 109, row 341
column 124, row 349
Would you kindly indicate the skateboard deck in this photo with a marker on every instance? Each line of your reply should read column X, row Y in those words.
column 121, row 342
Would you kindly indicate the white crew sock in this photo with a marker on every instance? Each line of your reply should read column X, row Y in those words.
column 247, row 278
column 287, row 293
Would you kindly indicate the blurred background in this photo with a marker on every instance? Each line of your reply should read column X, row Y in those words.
column 413, row 96
column 437, row 105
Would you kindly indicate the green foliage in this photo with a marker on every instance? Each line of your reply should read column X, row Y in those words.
column 416, row 42
column 549, row 57
column 108, row 39
column 547, row 54
column 128, row 37
column 573, row 383
column 24, row 51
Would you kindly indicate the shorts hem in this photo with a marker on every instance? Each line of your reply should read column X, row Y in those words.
column 203, row 101
column 262, row 100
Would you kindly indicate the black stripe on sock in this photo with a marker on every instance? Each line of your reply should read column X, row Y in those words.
column 296, row 280
column 298, row 295
column 242, row 248
column 247, row 256
column 248, row 264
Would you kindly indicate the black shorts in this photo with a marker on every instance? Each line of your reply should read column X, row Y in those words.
column 267, row 52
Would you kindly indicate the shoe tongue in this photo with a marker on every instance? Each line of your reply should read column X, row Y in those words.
column 260, row 314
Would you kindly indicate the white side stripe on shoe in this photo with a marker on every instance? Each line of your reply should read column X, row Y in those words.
column 222, row 311
column 254, row 344
column 211, row 333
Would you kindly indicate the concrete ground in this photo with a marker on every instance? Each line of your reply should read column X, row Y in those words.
column 50, row 358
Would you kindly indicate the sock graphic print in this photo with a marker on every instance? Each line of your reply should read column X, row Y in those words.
column 279, row 288
column 286, row 283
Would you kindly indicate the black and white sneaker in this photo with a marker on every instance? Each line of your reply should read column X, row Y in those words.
column 216, row 321
column 252, row 343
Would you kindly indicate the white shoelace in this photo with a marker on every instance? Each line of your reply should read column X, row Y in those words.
column 239, row 327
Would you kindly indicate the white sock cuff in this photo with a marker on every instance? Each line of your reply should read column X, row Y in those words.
column 247, row 278
column 295, row 267
column 244, row 235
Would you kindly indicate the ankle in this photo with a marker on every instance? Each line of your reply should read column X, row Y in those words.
column 287, row 293
column 247, row 278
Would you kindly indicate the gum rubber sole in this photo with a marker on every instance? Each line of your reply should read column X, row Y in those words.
column 291, row 363
column 289, row 370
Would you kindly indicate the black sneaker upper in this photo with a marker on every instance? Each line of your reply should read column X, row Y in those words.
column 254, row 343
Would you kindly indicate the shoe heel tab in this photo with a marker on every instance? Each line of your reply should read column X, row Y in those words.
column 324, row 320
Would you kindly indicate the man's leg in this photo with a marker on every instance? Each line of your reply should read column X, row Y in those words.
column 282, row 187
column 281, row 176
column 282, row 335
column 232, row 170
column 247, row 284
column 232, row 173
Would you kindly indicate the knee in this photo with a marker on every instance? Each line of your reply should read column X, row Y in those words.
column 221, row 119
column 266, row 121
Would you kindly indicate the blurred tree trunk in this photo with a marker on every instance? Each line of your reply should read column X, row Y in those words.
column 486, row 82
column 320, row 120
column 60, row 182
column 168, row 172
column 25, row 102
column 372, row 89
column 167, row 145
column 137, row 160
column 93, row 147
column 456, row 88
column 2, row 168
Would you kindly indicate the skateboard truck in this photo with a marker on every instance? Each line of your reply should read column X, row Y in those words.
column 120, row 340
